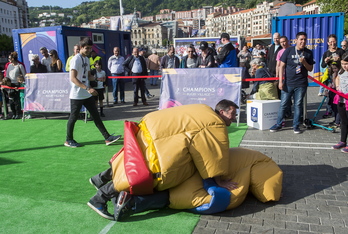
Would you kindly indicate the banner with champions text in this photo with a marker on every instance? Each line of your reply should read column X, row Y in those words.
column 47, row 92
column 200, row 85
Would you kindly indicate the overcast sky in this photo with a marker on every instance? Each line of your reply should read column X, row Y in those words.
column 61, row 3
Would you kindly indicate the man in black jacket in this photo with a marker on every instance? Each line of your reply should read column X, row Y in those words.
column 37, row 67
column 206, row 59
column 272, row 54
column 135, row 65
column 227, row 57
column 170, row 60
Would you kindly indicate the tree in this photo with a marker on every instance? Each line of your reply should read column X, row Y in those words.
column 6, row 43
column 335, row 6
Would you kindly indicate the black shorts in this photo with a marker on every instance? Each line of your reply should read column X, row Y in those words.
column 100, row 94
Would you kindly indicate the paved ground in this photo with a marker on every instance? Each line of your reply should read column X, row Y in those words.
column 315, row 186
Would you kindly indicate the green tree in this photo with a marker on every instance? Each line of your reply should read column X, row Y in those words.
column 335, row 6
column 6, row 43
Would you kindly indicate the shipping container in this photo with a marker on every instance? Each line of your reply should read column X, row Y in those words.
column 28, row 41
column 318, row 27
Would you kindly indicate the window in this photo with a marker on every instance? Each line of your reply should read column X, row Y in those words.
column 98, row 38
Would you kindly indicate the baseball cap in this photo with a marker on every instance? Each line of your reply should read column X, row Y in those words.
column 225, row 35
column 203, row 45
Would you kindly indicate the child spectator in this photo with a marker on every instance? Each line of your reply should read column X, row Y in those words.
column 332, row 73
column 1, row 77
column 13, row 95
column 21, row 83
column 342, row 103
column 99, row 85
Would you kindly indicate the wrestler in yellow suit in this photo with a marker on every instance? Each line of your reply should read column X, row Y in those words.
column 178, row 141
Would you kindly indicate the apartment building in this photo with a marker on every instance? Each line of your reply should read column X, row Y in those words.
column 251, row 22
column 13, row 15
column 311, row 8
column 150, row 34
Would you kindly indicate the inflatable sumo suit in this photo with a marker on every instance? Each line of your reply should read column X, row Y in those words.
column 253, row 171
column 172, row 145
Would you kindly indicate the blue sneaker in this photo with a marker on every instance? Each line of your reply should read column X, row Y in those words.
column 339, row 145
column 275, row 128
column 100, row 208
column 111, row 139
column 72, row 144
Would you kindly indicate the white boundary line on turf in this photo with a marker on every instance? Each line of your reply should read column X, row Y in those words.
column 107, row 228
column 291, row 142
column 285, row 146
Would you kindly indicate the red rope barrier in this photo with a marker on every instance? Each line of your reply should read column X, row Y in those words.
column 123, row 77
column 260, row 79
column 8, row 87
column 328, row 88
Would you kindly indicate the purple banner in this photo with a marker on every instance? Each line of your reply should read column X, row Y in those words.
column 200, row 85
column 47, row 92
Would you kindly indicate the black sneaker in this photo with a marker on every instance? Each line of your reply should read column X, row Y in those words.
column 101, row 209
column 122, row 206
column 111, row 139
column 297, row 130
column 72, row 144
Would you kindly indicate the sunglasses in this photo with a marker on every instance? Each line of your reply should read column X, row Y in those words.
column 190, row 51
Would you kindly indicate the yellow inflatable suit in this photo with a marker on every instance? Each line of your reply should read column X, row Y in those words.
column 253, row 171
column 177, row 142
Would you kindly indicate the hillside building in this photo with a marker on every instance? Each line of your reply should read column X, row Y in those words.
column 13, row 15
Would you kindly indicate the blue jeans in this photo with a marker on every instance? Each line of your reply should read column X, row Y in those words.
column 153, row 81
column 118, row 84
column 298, row 93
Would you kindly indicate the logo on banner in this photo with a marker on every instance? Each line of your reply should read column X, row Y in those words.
column 254, row 114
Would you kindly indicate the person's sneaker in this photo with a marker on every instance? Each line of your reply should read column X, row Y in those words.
column 101, row 209
column 122, row 208
column 72, row 144
column 150, row 96
column 339, row 145
column 327, row 115
column 94, row 183
column 344, row 150
column 275, row 128
column 111, row 139
column 297, row 130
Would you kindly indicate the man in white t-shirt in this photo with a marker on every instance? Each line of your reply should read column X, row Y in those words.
column 46, row 59
column 81, row 94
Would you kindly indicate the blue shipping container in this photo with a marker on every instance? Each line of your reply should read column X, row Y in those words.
column 318, row 28
column 28, row 41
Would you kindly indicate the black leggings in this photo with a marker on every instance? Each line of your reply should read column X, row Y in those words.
column 344, row 121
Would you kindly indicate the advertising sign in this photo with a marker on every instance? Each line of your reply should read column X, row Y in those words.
column 207, row 86
column 47, row 92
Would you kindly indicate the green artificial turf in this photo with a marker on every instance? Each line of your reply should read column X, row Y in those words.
column 44, row 186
